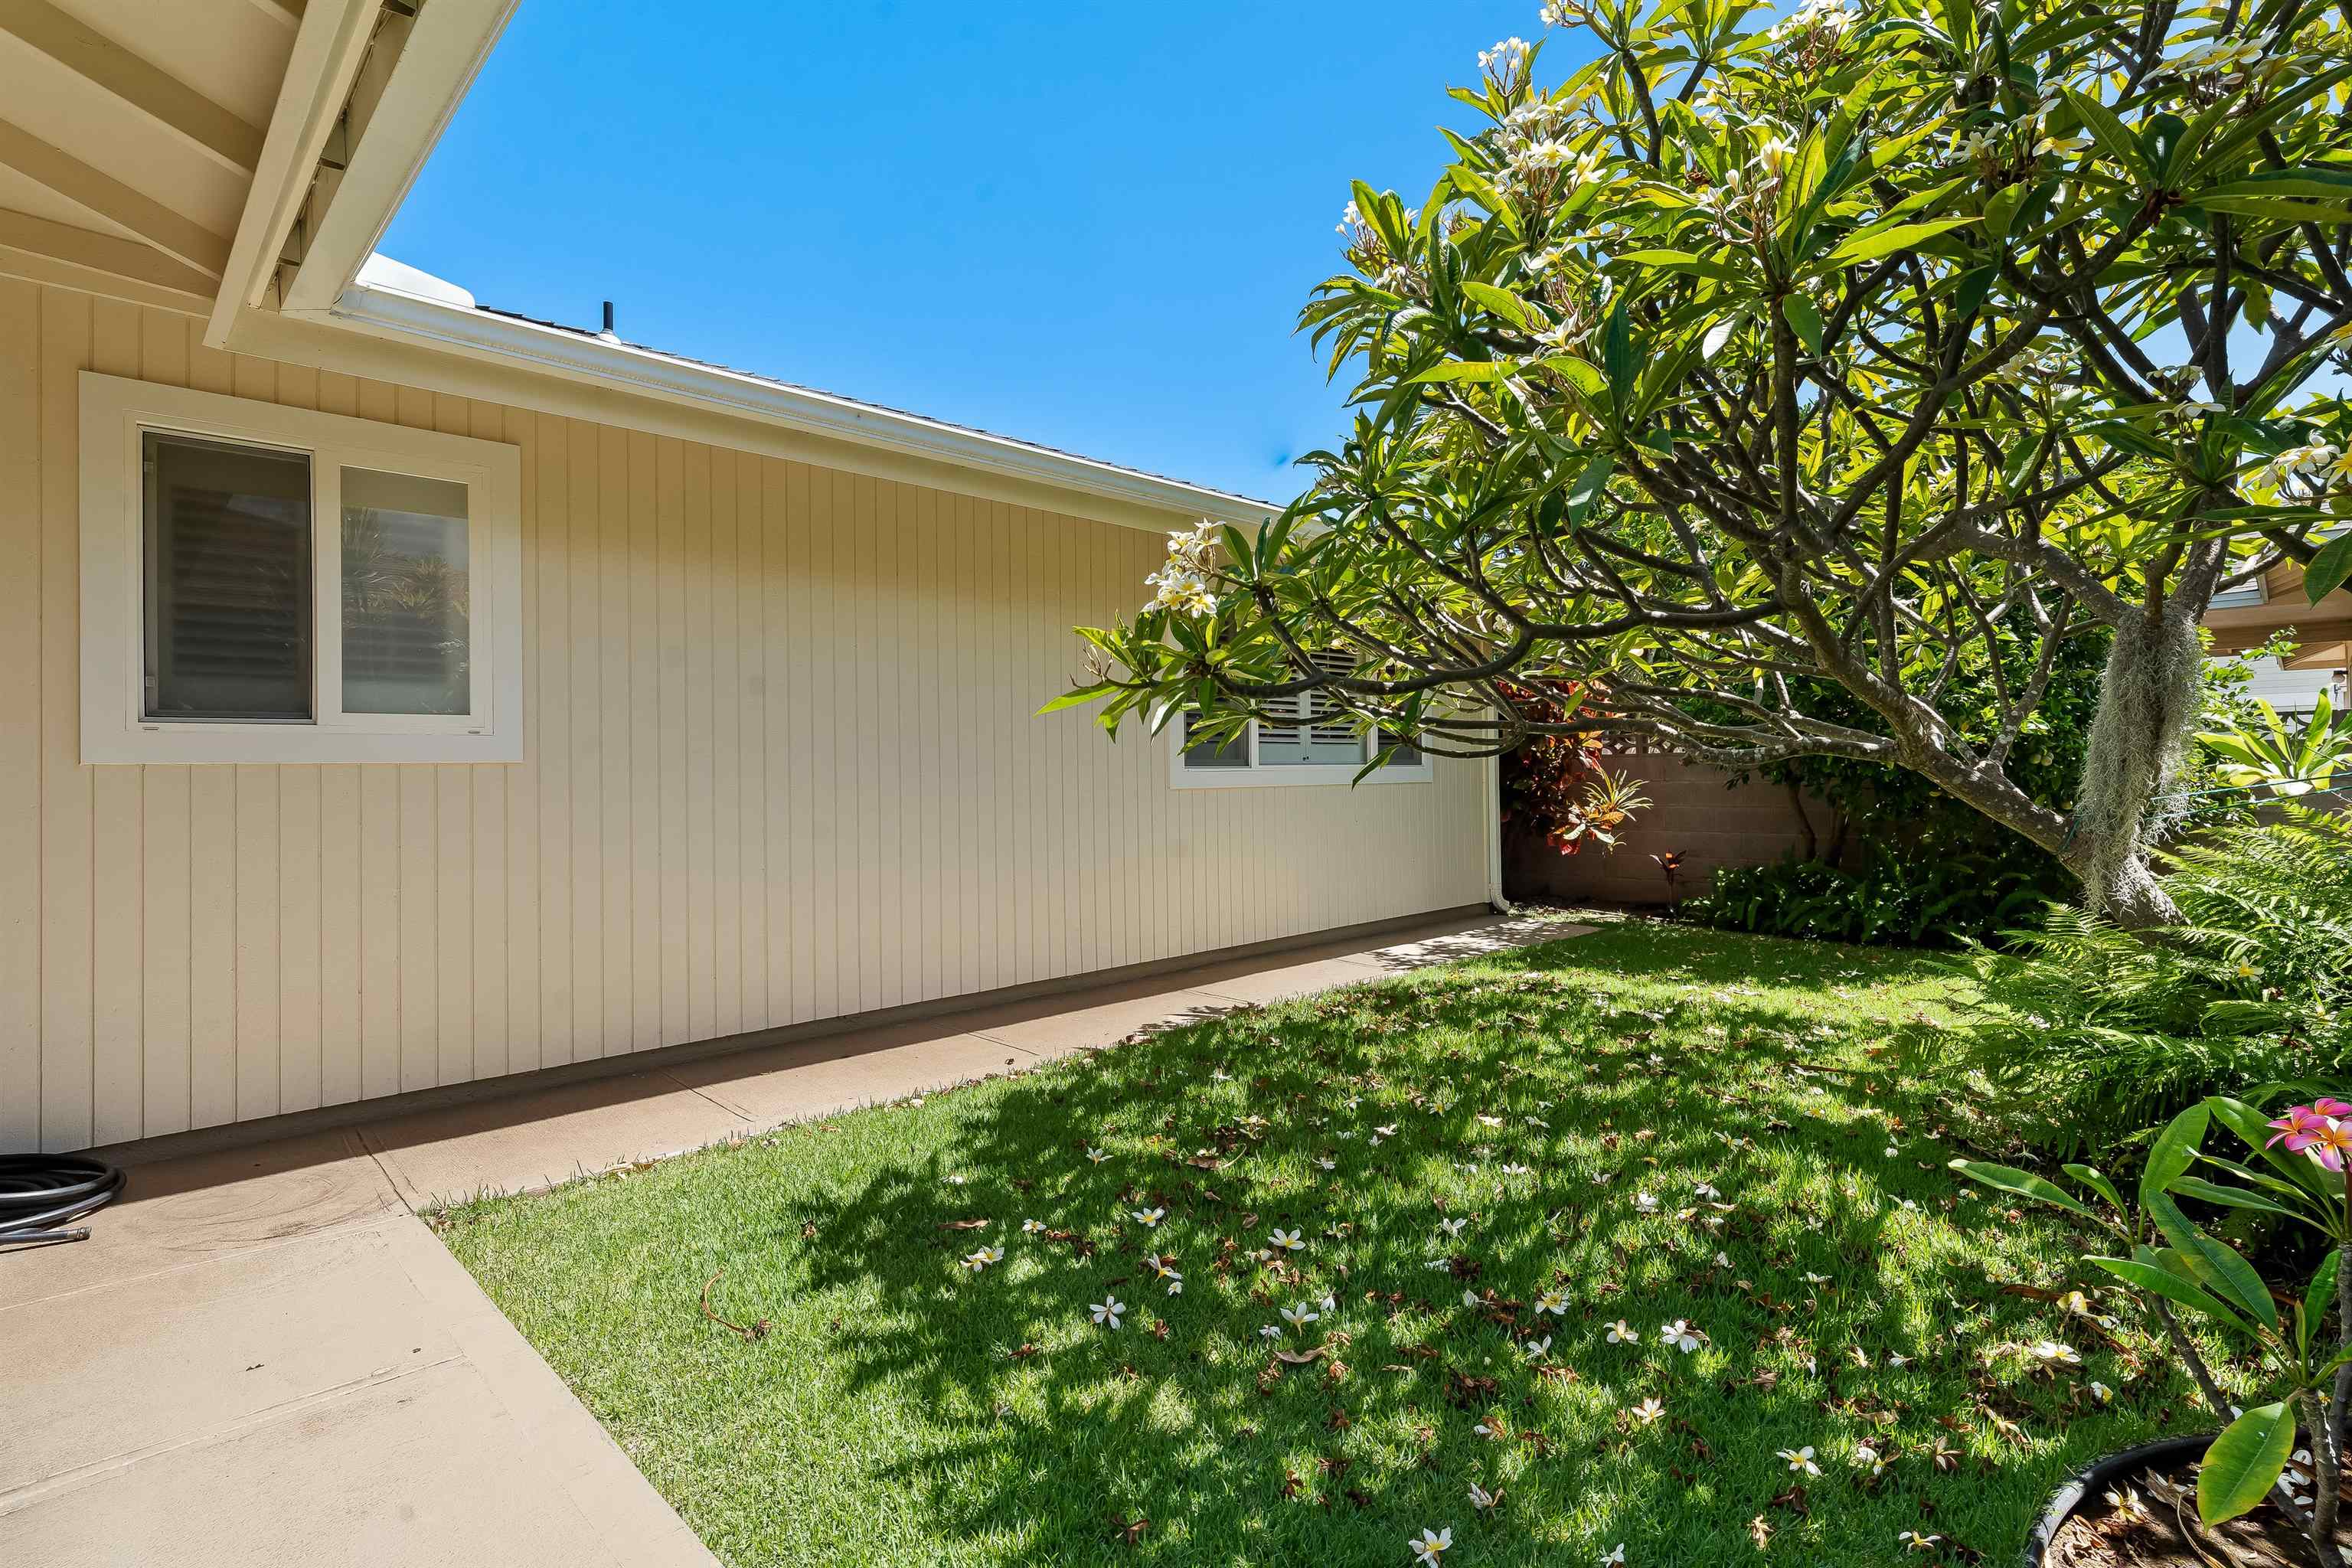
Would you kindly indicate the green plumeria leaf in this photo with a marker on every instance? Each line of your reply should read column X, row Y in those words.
column 2024, row 1183
column 2244, row 1462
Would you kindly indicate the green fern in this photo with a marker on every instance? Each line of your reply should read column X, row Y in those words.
column 2087, row 1034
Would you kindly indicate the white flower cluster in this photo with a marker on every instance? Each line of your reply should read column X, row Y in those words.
column 1829, row 18
column 2219, row 58
column 1182, row 584
column 2038, row 366
column 2304, row 471
column 1562, row 13
column 1505, row 59
column 1351, row 221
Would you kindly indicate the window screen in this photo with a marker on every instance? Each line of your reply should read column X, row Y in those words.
column 227, row 579
column 406, row 639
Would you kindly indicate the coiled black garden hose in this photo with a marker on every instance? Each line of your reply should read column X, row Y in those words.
column 40, row 1194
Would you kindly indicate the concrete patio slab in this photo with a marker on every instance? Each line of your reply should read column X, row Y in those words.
column 418, row 1470
column 174, row 1355
column 814, row 1078
column 1475, row 939
column 1064, row 1033
column 544, row 1137
column 182, row 1212
column 1266, row 986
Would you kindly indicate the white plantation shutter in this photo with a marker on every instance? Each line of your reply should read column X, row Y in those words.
column 1322, row 736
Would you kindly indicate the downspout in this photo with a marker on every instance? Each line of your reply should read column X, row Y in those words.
column 1490, row 772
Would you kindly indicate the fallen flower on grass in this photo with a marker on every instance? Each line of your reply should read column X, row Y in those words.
column 1483, row 1499
column 1648, row 1411
column 1301, row 1315
column 1430, row 1543
column 1801, row 1460
column 1287, row 1240
column 1107, row 1310
column 1681, row 1336
column 1620, row 1333
column 984, row 1258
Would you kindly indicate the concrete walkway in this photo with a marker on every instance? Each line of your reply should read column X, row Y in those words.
column 263, row 1356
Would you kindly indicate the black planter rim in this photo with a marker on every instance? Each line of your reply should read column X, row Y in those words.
column 2102, row 1474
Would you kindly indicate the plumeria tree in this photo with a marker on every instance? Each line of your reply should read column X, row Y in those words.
column 2291, row 1167
column 1878, row 351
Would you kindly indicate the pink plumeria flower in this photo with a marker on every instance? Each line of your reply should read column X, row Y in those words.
column 2329, row 1144
column 2294, row 1125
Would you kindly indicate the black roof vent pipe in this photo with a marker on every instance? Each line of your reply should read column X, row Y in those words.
column 608, row 334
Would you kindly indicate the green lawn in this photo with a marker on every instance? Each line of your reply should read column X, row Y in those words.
column 1573, row 1112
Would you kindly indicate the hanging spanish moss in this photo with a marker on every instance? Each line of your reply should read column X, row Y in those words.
column 2148, row 696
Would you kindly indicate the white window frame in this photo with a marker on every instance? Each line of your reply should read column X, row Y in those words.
column 1266, row 776
column 117, row 413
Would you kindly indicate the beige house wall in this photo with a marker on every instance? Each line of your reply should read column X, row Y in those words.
column 780, row 766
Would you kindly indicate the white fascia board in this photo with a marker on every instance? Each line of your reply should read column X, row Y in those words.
column 438, row 61
column 418, row 319
column 329, row 46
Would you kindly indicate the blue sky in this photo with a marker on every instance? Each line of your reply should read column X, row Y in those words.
column 1088, row 226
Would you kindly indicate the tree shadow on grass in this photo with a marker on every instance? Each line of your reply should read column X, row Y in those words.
column 1685, row 1139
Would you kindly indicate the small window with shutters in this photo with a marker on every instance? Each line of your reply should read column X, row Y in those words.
column 1305, row 739
column 267, row 584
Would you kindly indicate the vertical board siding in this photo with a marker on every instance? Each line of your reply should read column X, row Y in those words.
column 779, row 765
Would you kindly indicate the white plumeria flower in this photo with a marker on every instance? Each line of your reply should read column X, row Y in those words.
column 1504, row 57
column 1107, row 1310
column 1801, row 1460
column 1681, row 1336
column 1431, row 1544
column 1813, row 1278
column 1648, row 1411
column 984, row 1258
column 1552, row 1302
column 1896, row 1358
column 1643, row 1203
column 1480, row 1498
column 1330, row 1304
column 1327, row 1164
column 1097, row 1155
column 2102, row 1393
column 1486, row 1120
column 1869, row 1460
column 2050, row 1352
column 1704, row 1190
column 1452, row 1227
column 1917, row 1542
column 1151, row 1216
column 1614, row 1558
column 1301, row 1315
column 1286, row 1240
column 1032, row 1227
column 1536, row 1350
column 1271, row 1331
column 1621, row 1335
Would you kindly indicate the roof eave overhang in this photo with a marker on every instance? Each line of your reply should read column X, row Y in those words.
column 553, row 354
